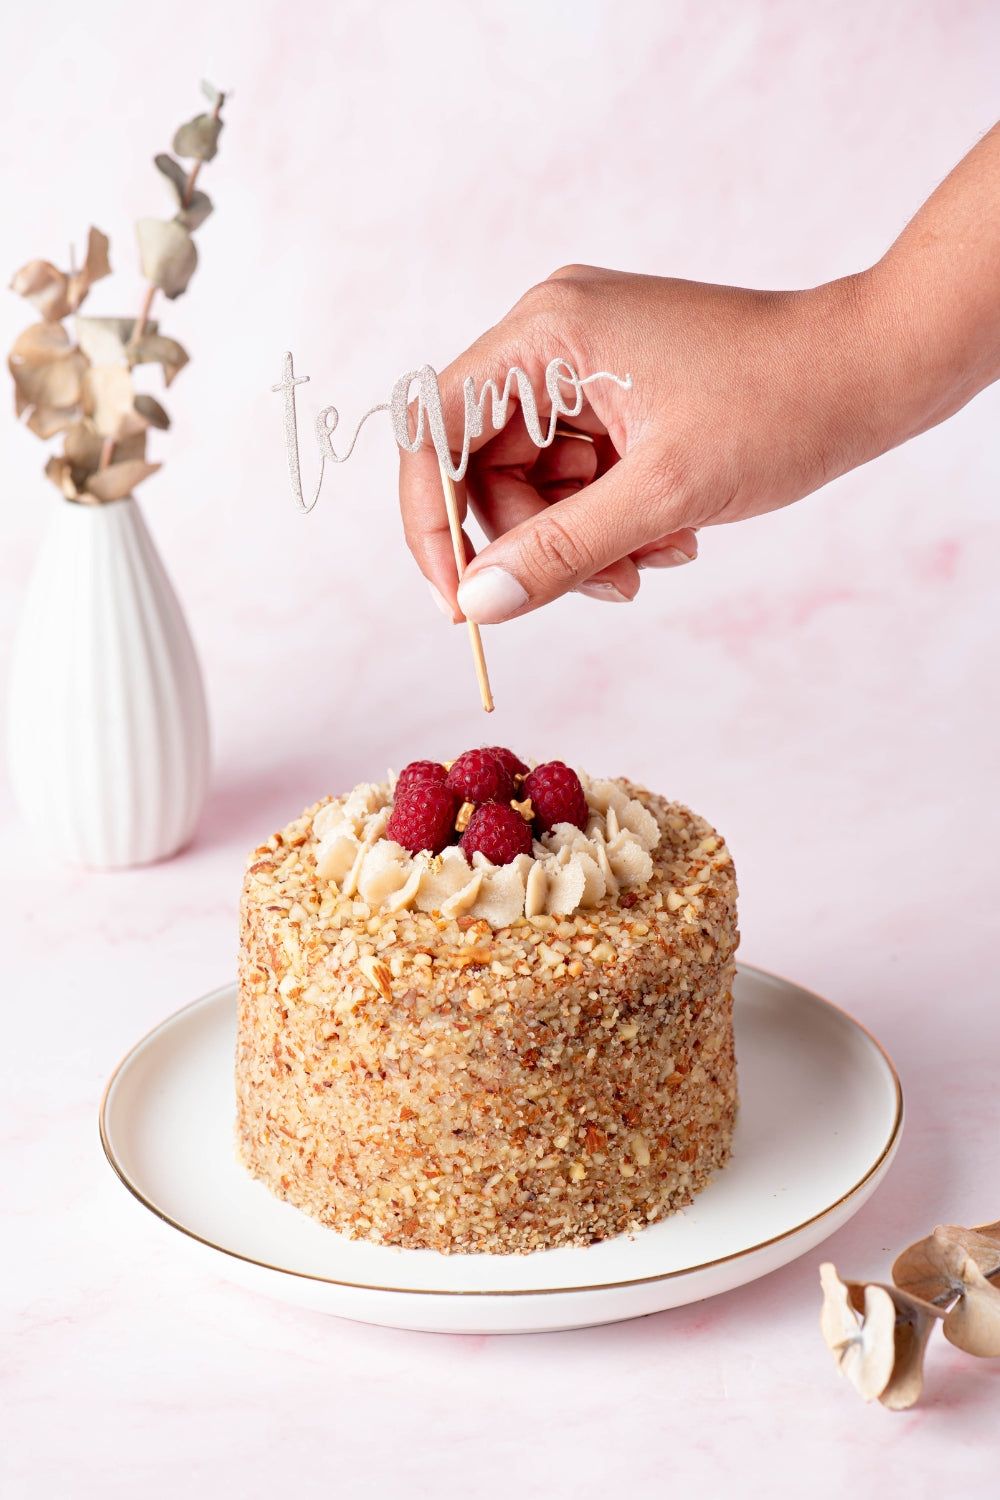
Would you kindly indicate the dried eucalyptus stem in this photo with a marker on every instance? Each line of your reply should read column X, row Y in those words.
column 144, row 311
column 196, row 166
column 186, row 196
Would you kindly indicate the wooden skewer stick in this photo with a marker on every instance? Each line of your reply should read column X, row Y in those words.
column 451, row 505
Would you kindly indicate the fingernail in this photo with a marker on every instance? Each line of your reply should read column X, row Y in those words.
column 605, row 591
column 490, row 595
column 442, row 603
column 670, row 557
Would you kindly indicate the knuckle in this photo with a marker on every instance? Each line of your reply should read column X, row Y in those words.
column 558, row 314
column 553, row 297
column 555, row 553
column 572, row 272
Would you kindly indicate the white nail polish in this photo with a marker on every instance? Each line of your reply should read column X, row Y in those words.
column 490, row 595
column 442, row 603
column 605, row 591
column 670, row 557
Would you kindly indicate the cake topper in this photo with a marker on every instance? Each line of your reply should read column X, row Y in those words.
column 559, row 373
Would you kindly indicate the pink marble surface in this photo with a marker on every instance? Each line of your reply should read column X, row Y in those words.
column 821, row 684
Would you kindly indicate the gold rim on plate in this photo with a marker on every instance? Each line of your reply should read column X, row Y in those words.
column 600, row 1286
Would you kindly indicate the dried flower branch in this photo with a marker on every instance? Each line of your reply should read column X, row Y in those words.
column 878, row 1333
column 85, row 388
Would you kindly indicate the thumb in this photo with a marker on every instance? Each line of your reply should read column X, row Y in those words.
column 589, row 533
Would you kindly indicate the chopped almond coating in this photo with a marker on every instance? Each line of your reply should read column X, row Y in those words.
column 429, row 1071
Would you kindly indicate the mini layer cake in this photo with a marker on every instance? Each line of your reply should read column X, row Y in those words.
column 500, row 1057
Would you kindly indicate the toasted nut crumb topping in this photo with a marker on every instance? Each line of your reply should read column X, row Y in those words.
column 423, row 1078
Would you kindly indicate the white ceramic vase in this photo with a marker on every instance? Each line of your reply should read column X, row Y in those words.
column 107, row 727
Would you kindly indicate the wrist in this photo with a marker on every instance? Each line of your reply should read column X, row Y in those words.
column 933, row 349
column 889, row 374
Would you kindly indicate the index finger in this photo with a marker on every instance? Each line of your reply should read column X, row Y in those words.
column 425, row 518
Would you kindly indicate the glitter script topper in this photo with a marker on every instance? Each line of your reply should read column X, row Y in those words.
column 559, row 374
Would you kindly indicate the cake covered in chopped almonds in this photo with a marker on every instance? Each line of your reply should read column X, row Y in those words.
column 489, row 1009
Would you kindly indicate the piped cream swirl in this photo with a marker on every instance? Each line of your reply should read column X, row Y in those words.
column 569, row 870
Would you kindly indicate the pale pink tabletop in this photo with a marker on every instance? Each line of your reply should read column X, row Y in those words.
column 821, row 684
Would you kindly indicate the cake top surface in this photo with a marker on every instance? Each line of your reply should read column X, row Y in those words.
column 624, row 846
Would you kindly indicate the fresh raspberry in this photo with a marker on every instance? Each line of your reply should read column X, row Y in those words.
column 510, row 762
column 423, row 817
column 497, row 831
column 478, row 776
column 556, row 796
column 419, row 771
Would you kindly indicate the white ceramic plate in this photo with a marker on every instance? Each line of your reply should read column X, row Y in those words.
column 820, row 1119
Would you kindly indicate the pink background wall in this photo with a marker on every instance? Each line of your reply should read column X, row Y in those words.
column 821, row 683
column 391, row 178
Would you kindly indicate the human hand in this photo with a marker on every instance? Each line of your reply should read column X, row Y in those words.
column 742, row 402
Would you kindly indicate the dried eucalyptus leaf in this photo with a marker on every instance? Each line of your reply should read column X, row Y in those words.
column 196, row 212
column 932, row 1268
column 915, row 1319
column 129, row 448
column 119, row 480
column 28, row 384
column 109, row 401
column 46, row 421
column 40, row 343
column 175, row 174
column 167, row 254
column 44, row 287
column 925, row 1269
column 83, row 446
column 150, row 408
column 214, row 96
column 192, row 214
column 158, row 349
column 46, row 367
column 907, row 1379
column 861, row 1339
column 877, row 1335
column 96, row 266
column 984, row 1249
column 103, row 340
column 198, row 137
column 57, row 384
column 837, row 1321
column 133, row 423
column 973, row 1324
column 58, row 470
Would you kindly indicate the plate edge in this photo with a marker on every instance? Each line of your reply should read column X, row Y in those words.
column 881, row 1163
